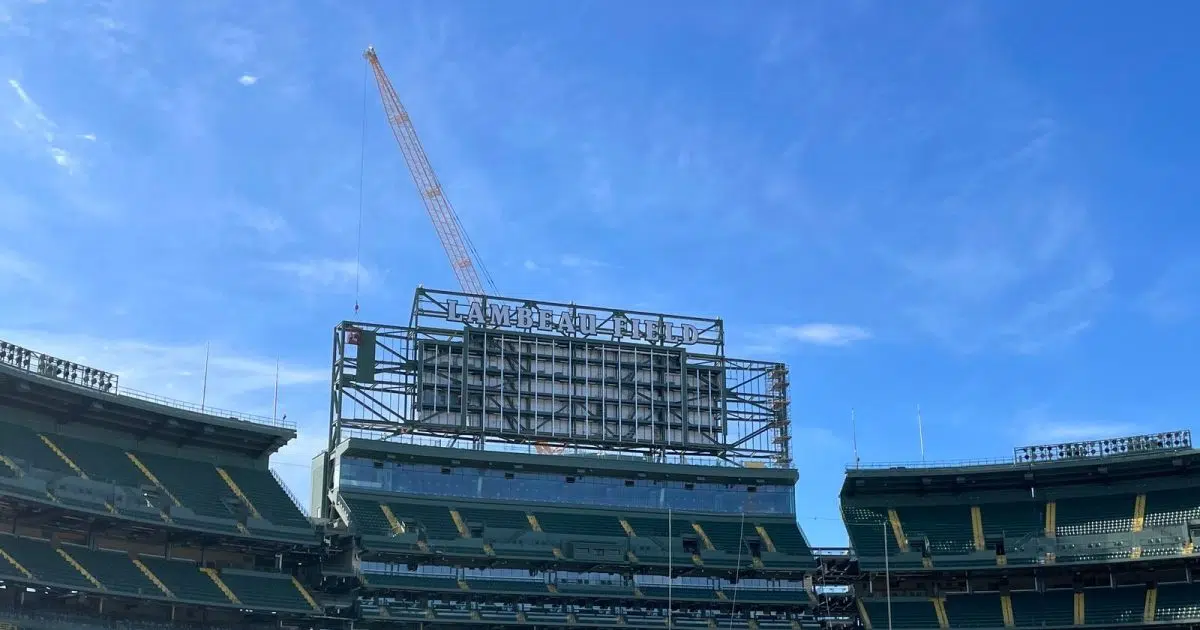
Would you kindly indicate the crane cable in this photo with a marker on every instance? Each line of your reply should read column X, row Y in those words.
column 362, row 161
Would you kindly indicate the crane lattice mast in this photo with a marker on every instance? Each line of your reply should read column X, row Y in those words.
column 459, row 249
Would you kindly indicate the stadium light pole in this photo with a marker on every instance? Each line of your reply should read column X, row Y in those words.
column 887, row 573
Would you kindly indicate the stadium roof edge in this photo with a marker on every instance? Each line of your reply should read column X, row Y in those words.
column 49, row 395
column 378, row 449
column 899, row 478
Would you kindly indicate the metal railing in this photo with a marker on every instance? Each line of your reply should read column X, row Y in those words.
column 951, row 463
column 106, row 383
column 291, row 495
column 207, row 410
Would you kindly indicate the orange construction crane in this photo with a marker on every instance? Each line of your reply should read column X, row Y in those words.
column 460, row 251
column 458, row 246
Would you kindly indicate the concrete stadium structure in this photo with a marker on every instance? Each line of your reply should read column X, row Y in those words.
column 507, row 463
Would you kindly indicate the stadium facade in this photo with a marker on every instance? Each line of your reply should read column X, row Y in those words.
column 503, row 463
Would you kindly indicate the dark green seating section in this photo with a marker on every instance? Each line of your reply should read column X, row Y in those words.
column 115, row 570
column 726, row 536
column 787, row 537
column 265, row 591
column 1178, row 602
column 494, row 518
column 946, row 528
column 648, row 526
column 435, row 520
column 914, row 614
column 23, row 445
column 486, row 585
column 974, row 611
column 1052, row 608
column 866, row 527
column 1094, row 515
column 1013, row 520
column 412, row 581
column 580, row 524
column 268, row 497
column 367, row 516
column 101, row 461
column 40, row 559
column 196, row 484
column 1114, row 605
column 1171, row 507
column 185, row 580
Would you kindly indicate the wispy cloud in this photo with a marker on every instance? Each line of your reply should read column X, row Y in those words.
column 574, row 261
column 1042, row 425
column 29, row 119
column 823, row 334
column 247, row 80
column 325, row 273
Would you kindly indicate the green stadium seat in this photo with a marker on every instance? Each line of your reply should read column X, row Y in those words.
column 434, row 519
column 728, row 536
column 101, row 461
column 22, row 444
column 648, row 526
column 1171, row 507
column 516, row 585
column 661, row 592
column 268, row 497
column 414, row 581
column 514, row 519
column 787, row 537
column 866, row 527
column 196, row 484
column 947, row 528
column 975, row 611
column 367, row 516
column 1052, row 608
column 1178, row 602
column 1108, row 606
column 265, row 591
column 910, row 614
column 40, row 558
column 595, row 589
column 115, row 570
column 581, row 523
column 1094, row 515
column 185, row 580
column 1012, row 520
column 792, row 596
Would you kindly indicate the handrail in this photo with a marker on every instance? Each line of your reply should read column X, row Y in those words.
column 951, row 463
column 291, row 495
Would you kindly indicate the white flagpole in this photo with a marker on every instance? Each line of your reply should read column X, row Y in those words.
column 921, row 434
column 204, row 384
column 670, row 565
column 854, row 436
column 275, row 401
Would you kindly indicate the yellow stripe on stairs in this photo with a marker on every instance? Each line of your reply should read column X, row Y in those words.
column 1006, row 610
column 703, row 536
column 237, row 492
column 1079, row 608
column 766, row 538
column 137, row 562
column 460, row 523
column 939, row 608
column 397, row 527
column 1051, row 519
column 16, row 565
column 862, row 614
column 627, row 527
column 1139, row 512
column 154, row 480
column 212, row 574
column 307, row 596
column 61, row 455
column 977, row 528
column 1151, row 606
column 13, row 465
column 898, row 530
column 533, row 522
column 79, row 567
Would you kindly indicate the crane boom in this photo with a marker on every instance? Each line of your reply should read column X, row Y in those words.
column 455, row 241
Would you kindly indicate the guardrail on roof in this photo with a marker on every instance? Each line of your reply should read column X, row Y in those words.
column 953, row 463
column 47, row 366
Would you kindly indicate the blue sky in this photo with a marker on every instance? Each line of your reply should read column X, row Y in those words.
column 977, row 208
